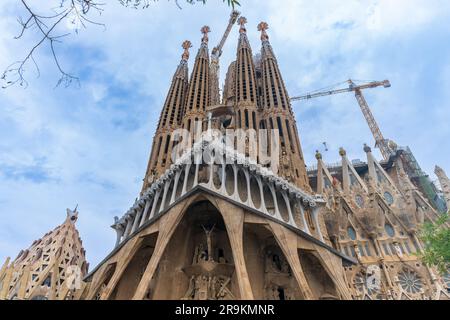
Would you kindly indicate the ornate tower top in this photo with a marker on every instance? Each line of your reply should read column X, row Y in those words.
column 242, row 21
column 342, row 152
column 186, row 46
column 205, row 30
column 263, row 26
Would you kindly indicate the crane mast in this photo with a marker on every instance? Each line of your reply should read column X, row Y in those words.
column 381, row 142
column 215, row 56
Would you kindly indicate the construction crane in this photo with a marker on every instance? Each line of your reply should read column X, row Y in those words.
column 215, row 56
column 383, row 144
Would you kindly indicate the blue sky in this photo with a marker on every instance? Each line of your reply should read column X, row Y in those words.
column 90, row 145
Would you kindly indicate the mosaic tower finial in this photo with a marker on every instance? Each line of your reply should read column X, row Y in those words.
column 262, row 27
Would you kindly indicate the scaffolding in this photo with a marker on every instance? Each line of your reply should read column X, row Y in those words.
column 421, row 180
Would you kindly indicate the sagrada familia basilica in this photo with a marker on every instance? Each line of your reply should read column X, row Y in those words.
column 236, row 229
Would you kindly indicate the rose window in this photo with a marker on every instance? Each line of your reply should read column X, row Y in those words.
column 410, row 281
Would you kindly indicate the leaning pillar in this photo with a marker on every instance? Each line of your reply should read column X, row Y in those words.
column 234, row 222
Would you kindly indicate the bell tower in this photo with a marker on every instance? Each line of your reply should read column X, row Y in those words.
column 276, row 113
column 198, row 97
column 170, row 119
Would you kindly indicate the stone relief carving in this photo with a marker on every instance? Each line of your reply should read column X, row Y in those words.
column 208, row 279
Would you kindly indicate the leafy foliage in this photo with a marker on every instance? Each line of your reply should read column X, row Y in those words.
column 436, row 237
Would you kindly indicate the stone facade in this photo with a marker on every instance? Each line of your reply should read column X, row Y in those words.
column 236, row 229
column 373, row 215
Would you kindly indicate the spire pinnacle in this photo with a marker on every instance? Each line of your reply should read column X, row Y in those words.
column 263, row 26
column 242, row 21
column 186, row 45
column 205, row 30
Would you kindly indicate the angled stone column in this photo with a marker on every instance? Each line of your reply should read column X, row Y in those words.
column 126, row 253
column 6, row 283
column 234, row 222
column 288, row 244
column 167, row 226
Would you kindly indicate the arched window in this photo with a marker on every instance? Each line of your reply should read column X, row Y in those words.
column 351, row 233
column 389, row 230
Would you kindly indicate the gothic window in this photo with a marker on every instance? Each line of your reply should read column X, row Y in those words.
column 408, row 248
column 280, row 129
column 351, row 233
column 352, row 250
column 159, row 148
column 359, row 200
column 389, row 230
column 166, row 148
column 39, row 298
column 361, row 250
column 368, row 249
column 254, row 119
column 388, row 197
column 246, row 119
column 386, row 249
column 288, row 128
column 410, row 281
column 262, row 124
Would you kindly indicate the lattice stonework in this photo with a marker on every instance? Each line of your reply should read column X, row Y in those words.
column 50, row 268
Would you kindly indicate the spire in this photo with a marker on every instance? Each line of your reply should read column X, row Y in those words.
column 198, row 94
column 274, row 101
column 245, row 79
column 274, row 91
column 173, row 106
column 170, row 119
column 350, row 177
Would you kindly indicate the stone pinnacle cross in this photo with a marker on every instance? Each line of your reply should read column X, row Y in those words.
column 263, row 26
column 186, row 45
column 205, row 30
column 242, row 21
